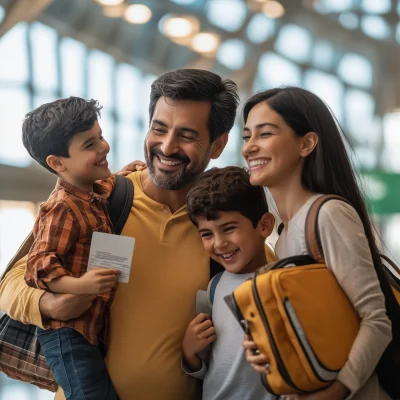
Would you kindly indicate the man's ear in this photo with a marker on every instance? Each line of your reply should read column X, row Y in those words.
column 219, row 145
column 55, row 163
column 308, row 143
column 266, row 224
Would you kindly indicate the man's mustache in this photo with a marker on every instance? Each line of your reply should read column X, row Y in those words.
column 177, row 157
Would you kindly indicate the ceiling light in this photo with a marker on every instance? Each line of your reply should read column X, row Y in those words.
column 205, row 42
column 273, row 9
column 138, row 14
column 110, row 2
column 175, row 26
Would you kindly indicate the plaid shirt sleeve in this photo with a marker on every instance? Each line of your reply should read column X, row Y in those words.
column 108, row 185
column 56, row 231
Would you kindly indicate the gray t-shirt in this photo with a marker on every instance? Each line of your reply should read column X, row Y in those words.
column 348, row 256
column 227, row 375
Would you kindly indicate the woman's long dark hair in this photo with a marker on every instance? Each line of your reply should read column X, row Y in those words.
column 327, row 169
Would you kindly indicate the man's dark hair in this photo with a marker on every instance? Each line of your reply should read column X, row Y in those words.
column 226, row 189
column 200, row 85
column 49, row 129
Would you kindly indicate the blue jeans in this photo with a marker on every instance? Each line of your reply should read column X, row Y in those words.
column 77, row 365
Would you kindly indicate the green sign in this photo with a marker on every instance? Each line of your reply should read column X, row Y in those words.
column 382, row 191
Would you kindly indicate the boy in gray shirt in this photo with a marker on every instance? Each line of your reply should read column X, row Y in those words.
column 233, row 221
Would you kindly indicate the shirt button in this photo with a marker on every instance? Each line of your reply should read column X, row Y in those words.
column 165, row 210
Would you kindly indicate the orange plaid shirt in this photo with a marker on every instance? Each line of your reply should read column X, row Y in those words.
column 63, row 233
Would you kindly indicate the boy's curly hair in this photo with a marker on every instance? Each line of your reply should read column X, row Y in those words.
column 226, row 189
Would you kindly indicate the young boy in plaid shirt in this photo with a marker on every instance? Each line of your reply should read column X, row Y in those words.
column 65, row 138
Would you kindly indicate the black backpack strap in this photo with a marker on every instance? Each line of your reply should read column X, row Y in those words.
column 120, row 202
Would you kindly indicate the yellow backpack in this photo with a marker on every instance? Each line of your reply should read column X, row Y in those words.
column 299, row 317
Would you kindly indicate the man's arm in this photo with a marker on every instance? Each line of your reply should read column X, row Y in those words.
column 35, row 306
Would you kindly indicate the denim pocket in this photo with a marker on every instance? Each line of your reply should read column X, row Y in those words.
column 51, row 347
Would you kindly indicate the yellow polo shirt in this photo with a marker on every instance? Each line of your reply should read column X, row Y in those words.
column 150, row 314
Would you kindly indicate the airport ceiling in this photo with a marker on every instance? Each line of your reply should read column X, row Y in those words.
column 368, row 27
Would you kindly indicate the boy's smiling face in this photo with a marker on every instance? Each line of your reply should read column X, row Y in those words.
column 234, row 242
column 87, row 161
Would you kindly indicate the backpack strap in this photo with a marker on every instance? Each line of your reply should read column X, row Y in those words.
column 211, row 288
column 119, row 207
column 120, row 202
column 312, row 236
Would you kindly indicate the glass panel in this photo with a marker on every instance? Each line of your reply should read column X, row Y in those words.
column 336, row 5
column 72, row 68
column 377, row 7
column 375, row 26
column 13, row 55
column 233, row 19
column 12, row 150
column 349, row 20
column 128, row 90
column 391, row 159
column 323, row 54
column 294, row 42
column 2, row 14
column 16, row 221
column 44, row 42
column 360, row 121
column 130, row 143
column 274, row 70
column 328, row 87
column 232, row 54
column 260, row 28
column 100, row 77
column 355, row 70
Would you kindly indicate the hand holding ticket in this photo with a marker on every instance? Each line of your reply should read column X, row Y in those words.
column 112, row 251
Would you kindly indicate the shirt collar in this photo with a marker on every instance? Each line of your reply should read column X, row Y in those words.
column 99, row 191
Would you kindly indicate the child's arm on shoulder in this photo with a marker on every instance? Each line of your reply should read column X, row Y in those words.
column 199, row 334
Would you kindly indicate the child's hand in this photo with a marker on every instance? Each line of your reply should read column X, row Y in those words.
column 132, row 167
column 199, row 334
column 98, row 281
column 258, row 361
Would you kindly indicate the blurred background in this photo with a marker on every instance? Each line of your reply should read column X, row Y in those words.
column 346, row 51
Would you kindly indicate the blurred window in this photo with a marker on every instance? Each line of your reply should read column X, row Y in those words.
column 360, row 120
column 323, row 54
column 336, row 5
column 328, row 87
column 16, row 221
column 294, row 42
column 128, row 91
column 274, row 70
column 232, row 54
column 12, row 150
column 375, row 26
column 260, row 28
column 100, row 74
column 44, row 44
column 376, row 7
column 355, row 70
column 130, row 143
column 72, row 68
column 233, row 11
column 13, row 56
column 391, row 137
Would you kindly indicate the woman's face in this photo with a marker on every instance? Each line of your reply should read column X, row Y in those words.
column 271, row 149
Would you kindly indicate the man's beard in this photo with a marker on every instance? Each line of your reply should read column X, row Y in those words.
column 172, row 180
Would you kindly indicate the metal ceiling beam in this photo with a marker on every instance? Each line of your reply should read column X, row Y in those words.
column 22, row 10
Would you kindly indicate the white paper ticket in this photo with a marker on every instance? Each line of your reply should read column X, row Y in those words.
column 112, row 251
